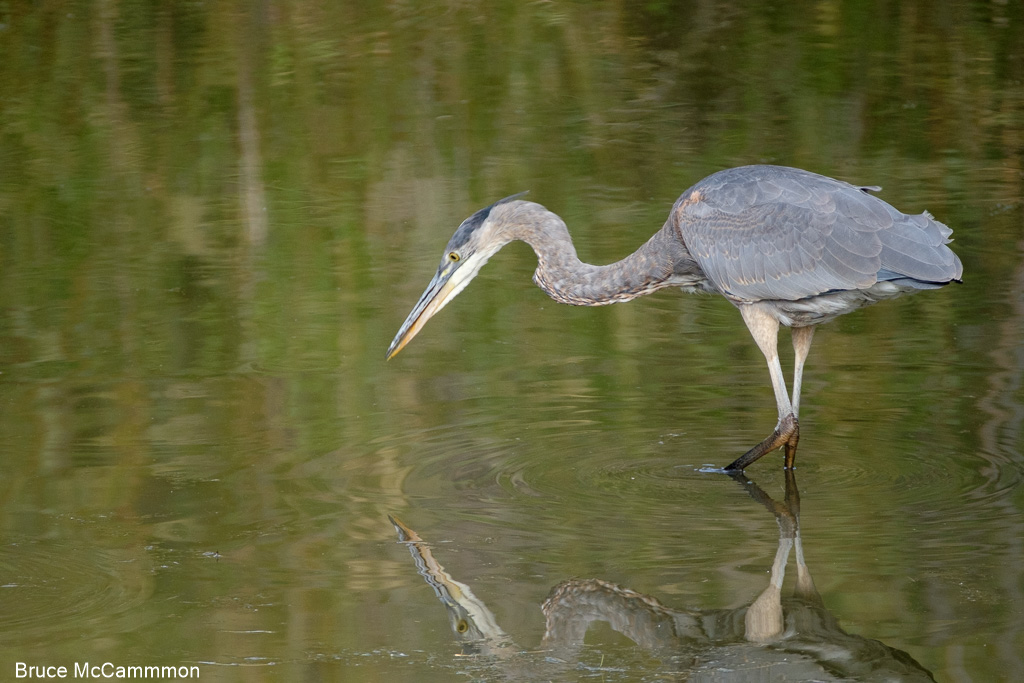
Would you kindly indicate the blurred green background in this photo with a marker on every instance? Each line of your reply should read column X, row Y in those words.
column 214, row 217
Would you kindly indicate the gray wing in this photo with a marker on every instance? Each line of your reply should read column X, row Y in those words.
column 770, row 232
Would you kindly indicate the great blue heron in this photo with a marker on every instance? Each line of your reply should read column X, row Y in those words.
column 785, row 246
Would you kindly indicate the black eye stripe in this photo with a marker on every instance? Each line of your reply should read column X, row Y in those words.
column 469, row 225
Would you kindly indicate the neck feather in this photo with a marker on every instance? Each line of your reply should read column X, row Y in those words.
column 659, row 263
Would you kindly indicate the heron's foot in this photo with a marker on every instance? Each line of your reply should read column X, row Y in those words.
column 786, row 434
column 790, row 447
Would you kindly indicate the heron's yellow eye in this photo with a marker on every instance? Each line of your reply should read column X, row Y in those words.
column 453, row 256
column 462, row 626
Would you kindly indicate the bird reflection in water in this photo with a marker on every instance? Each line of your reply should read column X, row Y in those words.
column 785, row 246
column 472, row 623
column 772, row 638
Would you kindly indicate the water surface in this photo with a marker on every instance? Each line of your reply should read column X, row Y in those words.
column 214, row 219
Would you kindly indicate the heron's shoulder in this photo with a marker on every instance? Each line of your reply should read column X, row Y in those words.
column 772, row 189
column 766, row 173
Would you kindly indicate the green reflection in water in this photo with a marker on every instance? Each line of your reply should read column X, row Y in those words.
column 213, row 219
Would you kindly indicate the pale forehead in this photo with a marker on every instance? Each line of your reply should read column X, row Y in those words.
column 472, row 225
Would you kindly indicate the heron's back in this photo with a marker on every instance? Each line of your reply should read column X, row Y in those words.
column 800, row 240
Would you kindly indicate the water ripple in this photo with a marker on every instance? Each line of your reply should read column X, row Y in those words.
column 48, row 586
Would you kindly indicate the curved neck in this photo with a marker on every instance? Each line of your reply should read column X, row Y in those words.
column 662, row 261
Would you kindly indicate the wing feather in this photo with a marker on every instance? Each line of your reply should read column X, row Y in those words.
column 769, row 232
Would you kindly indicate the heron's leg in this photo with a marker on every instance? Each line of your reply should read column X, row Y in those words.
column 764, row 620
column 802, row 337
column 764, row 327
column 804, row 588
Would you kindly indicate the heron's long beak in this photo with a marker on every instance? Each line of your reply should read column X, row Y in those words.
column 447, row 283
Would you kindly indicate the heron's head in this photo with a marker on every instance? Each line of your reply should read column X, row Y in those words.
column 476, row 240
